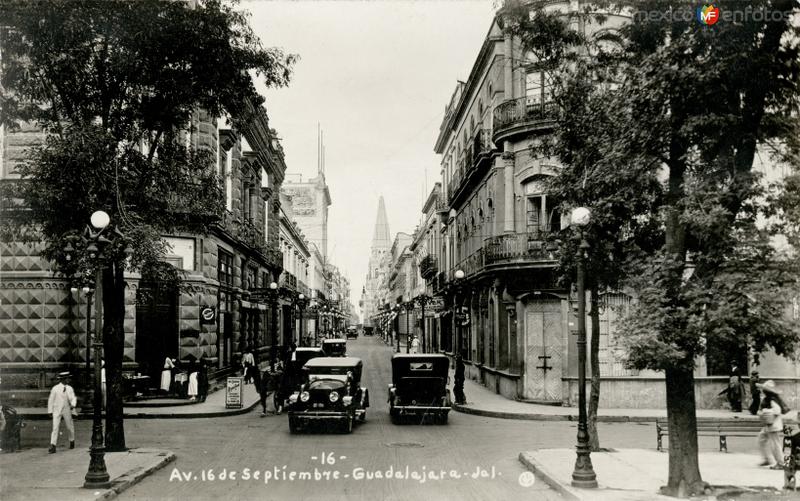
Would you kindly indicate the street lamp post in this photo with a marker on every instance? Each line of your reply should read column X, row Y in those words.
column 409, row 308
column 97, row 476
column 273, row 287
column 459, row 277
column 301, row 305
column 583, row 475
column 396, row 311
column 423, row 299
column 89, row 293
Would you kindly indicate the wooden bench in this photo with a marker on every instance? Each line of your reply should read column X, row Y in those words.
column 715, row 428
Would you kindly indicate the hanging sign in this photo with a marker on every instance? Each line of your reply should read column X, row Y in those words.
column 208, row 315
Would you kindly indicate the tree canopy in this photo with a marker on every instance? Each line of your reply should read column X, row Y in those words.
column 116, row 86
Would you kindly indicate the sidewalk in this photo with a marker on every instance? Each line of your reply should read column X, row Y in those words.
column 636, row 474
column 483, row 402
column 35, row 474
column 214, row 406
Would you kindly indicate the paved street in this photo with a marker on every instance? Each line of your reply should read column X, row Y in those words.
column 248, row 441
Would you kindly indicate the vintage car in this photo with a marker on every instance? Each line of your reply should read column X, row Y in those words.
column 334, row 347
column 352, row 333
column 292, row 377
column 419, row 388
column 331, row 395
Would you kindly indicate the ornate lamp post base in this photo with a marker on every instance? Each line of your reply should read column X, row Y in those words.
column 583, row 475
column 97, row 477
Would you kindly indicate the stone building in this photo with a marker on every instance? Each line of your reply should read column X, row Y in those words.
column 515, row 327
column 43, row 323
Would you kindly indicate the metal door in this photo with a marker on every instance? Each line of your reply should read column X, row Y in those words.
column 544, row 350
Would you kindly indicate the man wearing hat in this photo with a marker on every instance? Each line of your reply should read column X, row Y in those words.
column 769, row 438
column 60, row 404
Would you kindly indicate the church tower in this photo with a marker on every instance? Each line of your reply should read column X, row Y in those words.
column 381, row 243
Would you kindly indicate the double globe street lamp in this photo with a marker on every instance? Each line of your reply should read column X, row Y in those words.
column 301, row 306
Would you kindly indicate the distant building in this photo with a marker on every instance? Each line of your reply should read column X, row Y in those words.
column 371, row 300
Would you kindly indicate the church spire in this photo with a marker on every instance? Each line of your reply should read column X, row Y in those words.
column 381, row 238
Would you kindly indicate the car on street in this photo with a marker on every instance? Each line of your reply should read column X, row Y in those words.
column 331, row 395
column 419, row 388
column 352, row 333
column 334, row 347
column 292, row 377
column 368, row 331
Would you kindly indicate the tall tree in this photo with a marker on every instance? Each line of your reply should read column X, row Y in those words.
column 691, row 107
column 113, row 85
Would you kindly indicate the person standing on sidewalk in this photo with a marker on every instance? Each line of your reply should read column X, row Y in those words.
column 755, row 393
column 770, row 440
column 458, row 381
column 60, row 404
column 415, row 345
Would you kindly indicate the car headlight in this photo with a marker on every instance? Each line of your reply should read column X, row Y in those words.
column 293, row 397
column 305, row 396
column 334, row 396
column 347, row 400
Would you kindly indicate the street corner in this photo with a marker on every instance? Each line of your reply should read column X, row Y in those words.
column 61, row 475
column 134, row 465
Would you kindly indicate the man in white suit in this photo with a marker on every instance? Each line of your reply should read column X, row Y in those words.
column 60, row 404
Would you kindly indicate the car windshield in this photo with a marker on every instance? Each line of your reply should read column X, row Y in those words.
column 318, row 377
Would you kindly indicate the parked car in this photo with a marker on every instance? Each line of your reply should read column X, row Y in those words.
column 368, row 331
column 352, row 333
column 293, row 374
column 419, row 387
column 334, row 347
column 331, row 395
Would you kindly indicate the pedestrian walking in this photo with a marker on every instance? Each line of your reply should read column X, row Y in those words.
column 61, row 405
column 755, row 393
column 770, row 438
column 458, row 381
column 248, row 361
column 735, row 390
column 202, row 380
column 415, row 345
column 166, row 375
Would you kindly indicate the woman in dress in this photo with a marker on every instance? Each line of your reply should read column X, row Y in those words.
column 193, row 386
column 166, row 375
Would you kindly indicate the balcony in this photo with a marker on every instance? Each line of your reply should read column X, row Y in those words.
column 288, row 281
column 522, row 116
column 427, row 267
column 471, row 166
column 519, row 247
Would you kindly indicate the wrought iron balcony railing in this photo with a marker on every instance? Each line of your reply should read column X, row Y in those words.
column 427, row 267
column 519, row 247
column 520, row 110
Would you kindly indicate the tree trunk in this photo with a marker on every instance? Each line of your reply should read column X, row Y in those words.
column 114, row 344
column 594, row 362
column 684, row 471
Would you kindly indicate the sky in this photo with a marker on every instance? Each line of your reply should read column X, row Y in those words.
column 377, row 76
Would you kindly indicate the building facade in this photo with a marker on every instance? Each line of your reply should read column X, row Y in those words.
column 214, row 316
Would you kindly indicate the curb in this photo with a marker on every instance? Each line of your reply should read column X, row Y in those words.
column 465, row 409
column 143, row 415
column 550, row 417
column 536, row 468
column 133, row 477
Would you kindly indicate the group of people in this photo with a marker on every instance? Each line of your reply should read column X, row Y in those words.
column 196, row 378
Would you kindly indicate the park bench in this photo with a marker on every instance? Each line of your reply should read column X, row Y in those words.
column 715, row 428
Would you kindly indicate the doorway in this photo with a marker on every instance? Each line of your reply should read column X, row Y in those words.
column 544, row 350
column 156, row 327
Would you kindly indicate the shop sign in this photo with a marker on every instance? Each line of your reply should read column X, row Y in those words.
column 208, row 315
column 233, row 392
